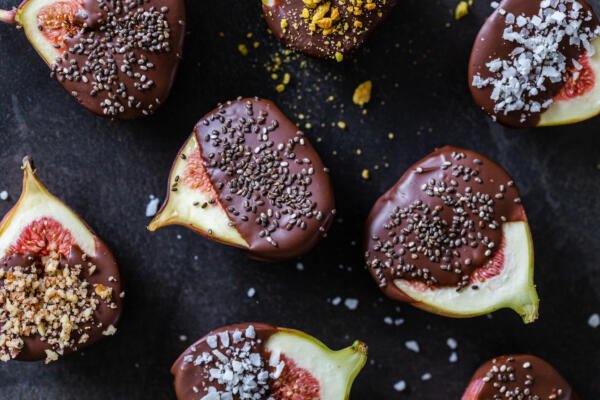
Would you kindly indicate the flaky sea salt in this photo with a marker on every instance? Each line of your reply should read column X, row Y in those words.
column 452, row 343
column 351, row 304
column 412, row 345
column 3, row 195
column 151, row 207
column 400, row 386
column 537, row 60
column 453, row 357
column 594, row 321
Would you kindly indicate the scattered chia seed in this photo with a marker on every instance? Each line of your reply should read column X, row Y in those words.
column 112, row 60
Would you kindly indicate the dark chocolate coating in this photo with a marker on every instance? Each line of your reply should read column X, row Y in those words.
column 261, row 117
column 299, row 37
column 490, row 45
column 104, row 316
column 187, row 375
column 162, row 74
column 546, row 381
column 409, row 189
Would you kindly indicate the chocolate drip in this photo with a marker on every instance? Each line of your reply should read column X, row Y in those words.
column 490, row 44
column 441, row 221
column 106, row 272
column 268, row 177
column 294, row 27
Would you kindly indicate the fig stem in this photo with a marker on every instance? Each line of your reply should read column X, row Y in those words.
column 8, row 16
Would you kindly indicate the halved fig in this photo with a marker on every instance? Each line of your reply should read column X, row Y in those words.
column 248, row 178
column 325, row 28
column 118, row 58
column 523, row 84
column 518, row 377
column 248, row 361
column 60, row 288
column 451, row 237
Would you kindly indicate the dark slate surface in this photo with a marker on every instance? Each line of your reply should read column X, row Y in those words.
column 181, row 284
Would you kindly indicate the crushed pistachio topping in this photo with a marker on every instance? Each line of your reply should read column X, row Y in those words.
column 362, row 94
column 326, row 18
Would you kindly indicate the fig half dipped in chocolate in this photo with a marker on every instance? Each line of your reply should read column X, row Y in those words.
column 516, row 377
column 60, row 289
column 261, row 361
column 536, row 63
column 326, row 29
column 118, row 58
column 249, row 178
column 451, row 237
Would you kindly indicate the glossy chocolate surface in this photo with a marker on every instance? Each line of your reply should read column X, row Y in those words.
column 518, row 377
column 298, row 31
column 191, row 381
column 441, row 221
column 489, row 45
column 105, row 273
column 137, row 61
column 268, row 177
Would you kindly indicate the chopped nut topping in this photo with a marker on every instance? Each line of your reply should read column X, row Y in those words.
column 362, row 94
column 49, row 299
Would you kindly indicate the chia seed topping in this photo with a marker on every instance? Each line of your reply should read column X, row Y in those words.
column 267, row 176
column 523, row 378
column 120, row 55
column 442, row 221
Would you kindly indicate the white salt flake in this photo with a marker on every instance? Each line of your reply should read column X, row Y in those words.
column 351, row 304
column 251, row 292
column 426, row 376
column 212, row 341
column 336, row 301
column 453, row 357
column 594, row 321
column 3, row 195
column 412, row 345
column 400, row 386
column 151, row 207
column 452, row 343
column 250, row 332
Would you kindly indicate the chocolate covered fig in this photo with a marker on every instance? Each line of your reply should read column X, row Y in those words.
column 536, row 63
column 60, row 288
column 326, row 29
column 261, row 361
column 249, row 178
column 118, row 58
column 451, row 237
column 518, row 377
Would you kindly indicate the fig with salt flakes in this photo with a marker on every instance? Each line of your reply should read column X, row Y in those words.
column 261, row 361
column 62, row 280
column 118, row 58
column 451, row 237
column 522, row 84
